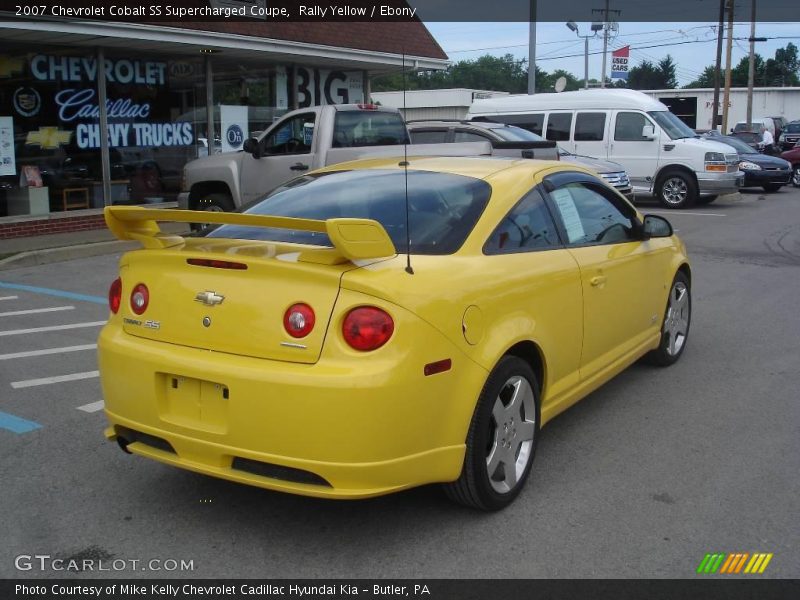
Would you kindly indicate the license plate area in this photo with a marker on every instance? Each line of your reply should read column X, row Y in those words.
column 193, row 403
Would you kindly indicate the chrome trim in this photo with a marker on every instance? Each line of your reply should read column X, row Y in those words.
column 292, row 345
column 209, row 298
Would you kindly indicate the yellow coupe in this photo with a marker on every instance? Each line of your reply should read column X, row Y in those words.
column 379, row 325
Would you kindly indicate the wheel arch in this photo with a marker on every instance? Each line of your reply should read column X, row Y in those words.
column 686, row 270
column 199, row 190
column 531, row 353
column 659, row 178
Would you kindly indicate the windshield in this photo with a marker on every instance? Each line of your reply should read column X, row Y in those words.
column 737, row 145
column 675, row 128
column 442, row 208
column 793, row 128
column 516, row 134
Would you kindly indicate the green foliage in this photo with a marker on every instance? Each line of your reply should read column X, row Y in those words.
column 649, row 76
column 782, row 70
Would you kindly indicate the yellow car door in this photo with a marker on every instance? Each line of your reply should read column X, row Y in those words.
column 621, row 295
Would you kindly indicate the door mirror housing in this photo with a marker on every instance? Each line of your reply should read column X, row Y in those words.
column 251, row 146
column 649, row 132
column 656, row 226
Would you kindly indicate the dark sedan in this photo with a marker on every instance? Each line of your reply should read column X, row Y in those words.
column 760, row 170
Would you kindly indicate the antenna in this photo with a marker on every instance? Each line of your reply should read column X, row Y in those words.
column 404, row 164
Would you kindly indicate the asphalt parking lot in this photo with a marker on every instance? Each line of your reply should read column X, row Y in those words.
column 641, row 479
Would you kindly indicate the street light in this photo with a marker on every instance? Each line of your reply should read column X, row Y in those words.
column 574, row 27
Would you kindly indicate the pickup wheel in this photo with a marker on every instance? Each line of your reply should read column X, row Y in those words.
column 677, row 189
column 217, row 202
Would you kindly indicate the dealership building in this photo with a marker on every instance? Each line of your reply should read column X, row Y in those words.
column 148, row 86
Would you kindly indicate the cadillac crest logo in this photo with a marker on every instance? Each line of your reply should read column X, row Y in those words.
column 27, row 101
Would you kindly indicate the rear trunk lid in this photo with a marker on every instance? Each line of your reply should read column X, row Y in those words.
column 231, row 310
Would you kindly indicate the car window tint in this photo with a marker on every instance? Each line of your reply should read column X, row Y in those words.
column 629, row 127
column 368, row 128
column 589, row 216
column 468, row 136
column 293, row 136
column 590, row 127
column 442, row 207
column 558, row 126
column 533, row 122
column 528, row 226
column 429, row 136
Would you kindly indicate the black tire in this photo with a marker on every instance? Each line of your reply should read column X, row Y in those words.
column 772, row 187
column 707, row 199
column 676, row 189
column 218, row 201
column 476, row 487
column 796, row 176
column 665, row 354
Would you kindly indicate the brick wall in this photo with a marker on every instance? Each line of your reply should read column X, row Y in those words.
column 45, row 226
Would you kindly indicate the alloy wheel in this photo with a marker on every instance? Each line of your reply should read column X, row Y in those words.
column 674, row 190
column 676, row 324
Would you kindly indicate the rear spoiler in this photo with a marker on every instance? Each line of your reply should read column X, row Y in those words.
column 354, row 239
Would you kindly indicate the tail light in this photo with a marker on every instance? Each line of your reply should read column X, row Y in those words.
column 367, row 328
column 298, row 320
column 115, row 295
column 140, row 298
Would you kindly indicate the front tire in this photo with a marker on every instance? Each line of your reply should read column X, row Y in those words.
column 677, row 189
column 501, row 441
column 675, row 326
column 772, row 187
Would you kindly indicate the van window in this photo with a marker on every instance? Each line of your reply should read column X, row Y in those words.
column 629, row 127
column 532, row 122
column 558, row 126
column 590, row 127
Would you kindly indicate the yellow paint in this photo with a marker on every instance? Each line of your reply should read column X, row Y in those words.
column 49, row 138
column 369, row 423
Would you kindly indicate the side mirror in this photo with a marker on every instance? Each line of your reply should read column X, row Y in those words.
column 649, row 132
column 656, row 227
column 251, row 147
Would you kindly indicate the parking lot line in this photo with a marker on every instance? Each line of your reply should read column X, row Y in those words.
column 52, row 328
column 9, row 297
column 47, row 351
column 17, row 424
column 56, row 379
column 34, row 311
column 93, row 407
column 52, row 292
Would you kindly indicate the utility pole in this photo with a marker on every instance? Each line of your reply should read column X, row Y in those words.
column 532, row 51
column 718, row 66
column 606, row 27
column 751, row 70
column 729, row 49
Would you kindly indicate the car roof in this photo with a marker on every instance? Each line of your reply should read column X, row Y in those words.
column 456, row 122
column 475, row 167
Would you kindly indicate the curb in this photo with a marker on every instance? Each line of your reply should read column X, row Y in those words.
column 53, row 255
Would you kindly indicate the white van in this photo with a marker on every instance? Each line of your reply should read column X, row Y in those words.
column 659, row 151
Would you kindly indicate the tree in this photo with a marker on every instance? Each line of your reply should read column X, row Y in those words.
column 649, row 76
column 666, row 67
column 782, row 70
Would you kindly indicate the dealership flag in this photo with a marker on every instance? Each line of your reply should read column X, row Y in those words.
column 619, row 63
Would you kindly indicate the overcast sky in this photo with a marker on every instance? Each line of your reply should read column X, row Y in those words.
column 692, row 45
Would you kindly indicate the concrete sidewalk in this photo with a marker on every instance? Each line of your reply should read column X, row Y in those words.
column 58, row 247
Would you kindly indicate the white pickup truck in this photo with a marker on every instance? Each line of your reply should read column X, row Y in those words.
column 301, row 141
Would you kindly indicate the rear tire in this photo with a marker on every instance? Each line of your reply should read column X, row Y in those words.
column 675, row 325
column 772, row 187
column 677, row 189
column 707, row 199
column 501, row 441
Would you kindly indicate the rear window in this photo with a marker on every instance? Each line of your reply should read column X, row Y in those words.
column 368, row 128
column 442, row 208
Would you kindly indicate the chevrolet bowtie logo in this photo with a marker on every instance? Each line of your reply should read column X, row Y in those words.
column 209, row 298
column 48, row 137
column 9, row 66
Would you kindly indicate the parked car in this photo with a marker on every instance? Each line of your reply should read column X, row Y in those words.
column 780, row 126
column 509, row 140
column 375, row 326
column 790, row 136
column 760, row 170
column 755, row 125
column 658, row 151
column 793, row 156
column 751, row 138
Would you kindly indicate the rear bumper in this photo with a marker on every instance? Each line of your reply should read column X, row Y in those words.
column 364, row 428
column 719, row 183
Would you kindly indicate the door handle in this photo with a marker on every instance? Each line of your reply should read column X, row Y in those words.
column 299, row 167
column 597, row 280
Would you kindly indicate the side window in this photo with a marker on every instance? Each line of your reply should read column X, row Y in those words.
column 628, row 127
column 429, row 136
column 558, row 126
column 528, row 226
column 533, row 122
column 590, row 216
column 468, row 136
column 590, row 127
column 293, row 136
